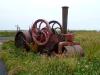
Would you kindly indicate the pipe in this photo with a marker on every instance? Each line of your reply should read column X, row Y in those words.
column 64, row 18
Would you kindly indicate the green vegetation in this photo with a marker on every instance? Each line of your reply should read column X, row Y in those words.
column 20, row 62
column 7, row 33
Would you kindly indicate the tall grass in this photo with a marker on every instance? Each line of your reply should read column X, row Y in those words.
column 90, row 41
column 19, row 62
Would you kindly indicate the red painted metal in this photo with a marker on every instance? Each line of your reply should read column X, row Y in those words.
column 41, row 36
column 49, row 38
column 69, row 37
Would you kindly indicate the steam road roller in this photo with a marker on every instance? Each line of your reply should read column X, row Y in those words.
column 49, row 38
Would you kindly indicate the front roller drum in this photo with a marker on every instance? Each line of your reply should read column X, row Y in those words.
column 72, row 51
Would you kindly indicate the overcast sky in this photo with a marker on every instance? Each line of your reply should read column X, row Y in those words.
column 83, row 14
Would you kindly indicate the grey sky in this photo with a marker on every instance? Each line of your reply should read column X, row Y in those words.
column 83, row 14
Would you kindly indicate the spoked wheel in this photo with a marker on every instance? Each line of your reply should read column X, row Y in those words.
column 56, row 26
column 57, row 30
column 41, row 34
column 75, row 50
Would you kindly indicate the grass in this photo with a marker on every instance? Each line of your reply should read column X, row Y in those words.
column 7, row 33
column 20, row 62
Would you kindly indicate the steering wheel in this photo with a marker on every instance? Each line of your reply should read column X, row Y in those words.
column 53, row 23
column 41, row 35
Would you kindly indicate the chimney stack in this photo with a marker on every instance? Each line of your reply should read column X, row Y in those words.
column 64, row 18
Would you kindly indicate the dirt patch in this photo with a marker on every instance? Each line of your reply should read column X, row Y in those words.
column 3, row 70
column 3, row 39
column 0, row 43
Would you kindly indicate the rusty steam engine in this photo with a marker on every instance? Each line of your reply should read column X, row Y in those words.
column 49, row 37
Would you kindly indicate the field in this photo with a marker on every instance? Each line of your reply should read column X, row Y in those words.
column 7, row 33
column 20, row 62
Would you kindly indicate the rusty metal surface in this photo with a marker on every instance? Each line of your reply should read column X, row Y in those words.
column 41, row 36
column 71, row 48
column 69, row 51
column 48, row 37
column 69, row 37
column 53, row 23
column 64, row 18
column 23, row 39
column 57, row 33
column 79, row 50
column 75, row 50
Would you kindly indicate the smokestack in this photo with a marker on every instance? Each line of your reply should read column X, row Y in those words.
column 64, row 18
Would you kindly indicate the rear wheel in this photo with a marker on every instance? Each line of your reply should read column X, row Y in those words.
column 19, row 40
column 22, row 40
